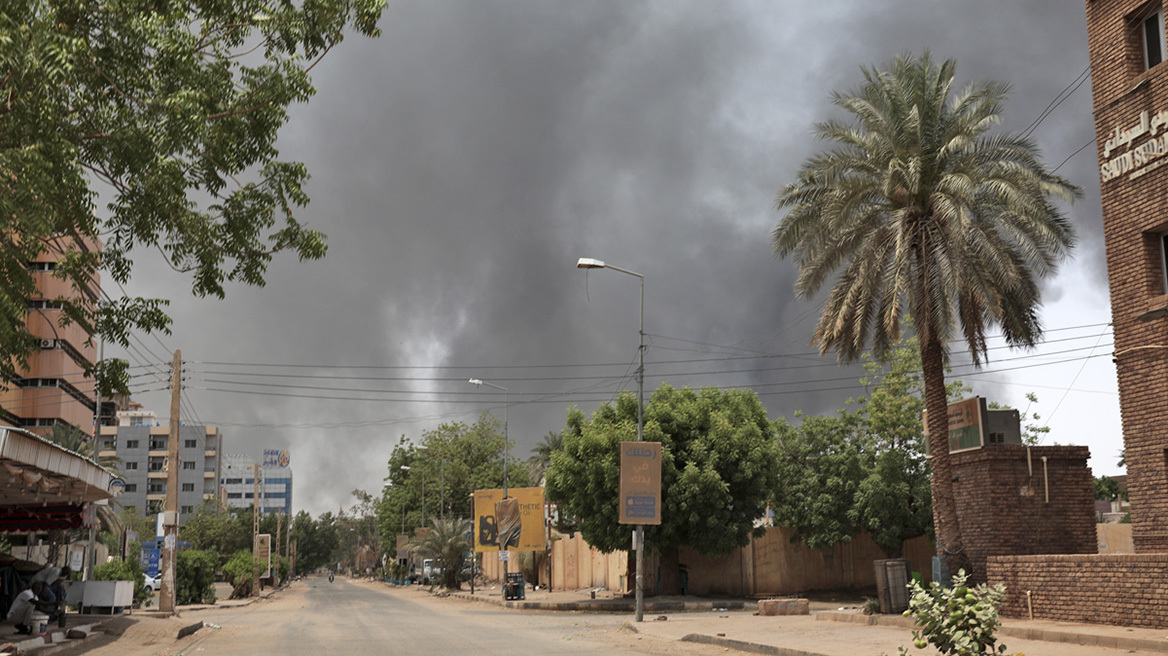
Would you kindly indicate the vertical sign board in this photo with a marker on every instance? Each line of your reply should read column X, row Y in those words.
column 526, row 502
column 151, row 557
column 640, row 483
column 263, row 553
column 402, row 552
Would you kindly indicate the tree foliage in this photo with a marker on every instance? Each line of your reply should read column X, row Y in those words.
column 458, row 458
column 316, row 540
column 719, row 468
column 917, row 209
column 169, row 111
column 195, row 576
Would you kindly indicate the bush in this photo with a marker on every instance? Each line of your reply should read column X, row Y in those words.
column 239, row 571
column 959, row 620
column 195, row 574
column 125, row 570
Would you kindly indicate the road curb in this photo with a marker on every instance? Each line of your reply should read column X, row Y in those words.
column 742, row 645
column 189, row 629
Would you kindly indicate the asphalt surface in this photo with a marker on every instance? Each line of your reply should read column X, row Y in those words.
column 350, row 618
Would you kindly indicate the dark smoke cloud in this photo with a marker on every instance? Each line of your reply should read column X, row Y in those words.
column 462, row 163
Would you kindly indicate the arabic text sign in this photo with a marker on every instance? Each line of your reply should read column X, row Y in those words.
column 965, row 422
column 403, row 551
column 530, row 508
column 640, row 483
column 275, row 459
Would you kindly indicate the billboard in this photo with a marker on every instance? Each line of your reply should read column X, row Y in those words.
column 150, row 560
column 512, row 523
column 263, row 553
column 276, row 459
column 966, row 424
column 402, row 552
column 640, row 483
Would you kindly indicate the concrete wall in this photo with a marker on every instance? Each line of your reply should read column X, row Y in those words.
column 1114, row 538
column 1119, row 589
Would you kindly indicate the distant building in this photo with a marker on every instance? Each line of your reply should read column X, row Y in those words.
column 141, row 443
column 238, row 482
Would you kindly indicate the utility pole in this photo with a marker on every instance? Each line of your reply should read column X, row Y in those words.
column 279, row 525
column 166, row 600
column 255, row 532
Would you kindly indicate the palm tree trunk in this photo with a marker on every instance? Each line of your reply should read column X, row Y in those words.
column 945, row 522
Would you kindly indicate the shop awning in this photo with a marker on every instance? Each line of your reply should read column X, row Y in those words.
column 35, row 472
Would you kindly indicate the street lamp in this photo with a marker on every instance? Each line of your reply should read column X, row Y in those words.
column 589, row 263
column 506, row 446
column 441, row 481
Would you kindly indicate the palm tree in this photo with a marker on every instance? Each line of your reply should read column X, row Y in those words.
column 541, row 455
column 923, row 212
column 447, row 541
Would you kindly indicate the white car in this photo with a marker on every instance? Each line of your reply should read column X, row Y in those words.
column 153, row 582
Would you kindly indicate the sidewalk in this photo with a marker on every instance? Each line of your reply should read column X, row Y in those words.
column 828, row 631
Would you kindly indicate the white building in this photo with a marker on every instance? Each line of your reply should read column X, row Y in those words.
column 275, row 489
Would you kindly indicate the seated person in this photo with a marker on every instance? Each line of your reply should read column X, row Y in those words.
column 54, row 592
column 25, row 604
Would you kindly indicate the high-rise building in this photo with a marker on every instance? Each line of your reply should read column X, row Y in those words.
column 141, row 443
column 1129, row 80
column 53, row 389
column 275, row 487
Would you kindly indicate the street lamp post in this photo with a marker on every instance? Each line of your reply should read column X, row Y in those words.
column 423, row 473
column 441, row 481
column 506, row 446
column 589, row 263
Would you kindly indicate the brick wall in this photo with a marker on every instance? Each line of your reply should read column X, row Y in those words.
column 1135, row 213
column 1118, row 589
column 1003, row 507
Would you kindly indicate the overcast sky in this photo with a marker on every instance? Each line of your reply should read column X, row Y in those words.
column 463, row 162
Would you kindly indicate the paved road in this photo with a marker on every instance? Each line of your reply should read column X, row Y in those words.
column 350, row 618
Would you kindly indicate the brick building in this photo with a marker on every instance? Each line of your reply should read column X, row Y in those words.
column 1129, row 79
column 1130, row 84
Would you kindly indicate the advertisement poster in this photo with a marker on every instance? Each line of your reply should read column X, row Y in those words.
column 515, row 523
column 640, row 483
column 402, row 552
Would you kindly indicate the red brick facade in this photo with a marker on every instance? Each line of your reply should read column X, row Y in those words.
column 1004, row 508
column 1131, row 105
column 1119, row 589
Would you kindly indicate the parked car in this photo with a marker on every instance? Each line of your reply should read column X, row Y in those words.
column 153, row 582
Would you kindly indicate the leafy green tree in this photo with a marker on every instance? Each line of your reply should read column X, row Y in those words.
column 448, row 542
column 923, row 211
column 458, row 458
column 171, row 112
column 316, row 541
column 223, row 532
column 1107, row 489
column 194, row 573
column 719, row 467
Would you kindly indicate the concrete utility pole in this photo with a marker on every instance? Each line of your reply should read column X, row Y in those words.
column 166, row 600
column 279, row 525
column 255, row 532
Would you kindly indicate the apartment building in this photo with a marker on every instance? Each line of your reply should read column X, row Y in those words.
column 141, row 443
column 53, row 388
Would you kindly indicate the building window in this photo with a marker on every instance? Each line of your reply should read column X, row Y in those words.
column 247, row 495
column 234, row 495
column 190, row 444
column 131, row 487
column 1153, row 39
column 189, row 465
column 188, row 487
column 155, row 507
column 131, row 444
column 156, row 488
column 130, row 465
column 232, row 481
column 157, row 445
column 188, row 510
column 130, row 509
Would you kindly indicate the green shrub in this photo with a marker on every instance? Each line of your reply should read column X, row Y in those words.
column 959, row 621
column 238, row 571
column 195, row 575
column 125, row 570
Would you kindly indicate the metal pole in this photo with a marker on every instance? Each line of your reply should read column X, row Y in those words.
column 442, row 485
column 506, row 453
column 640, row 438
